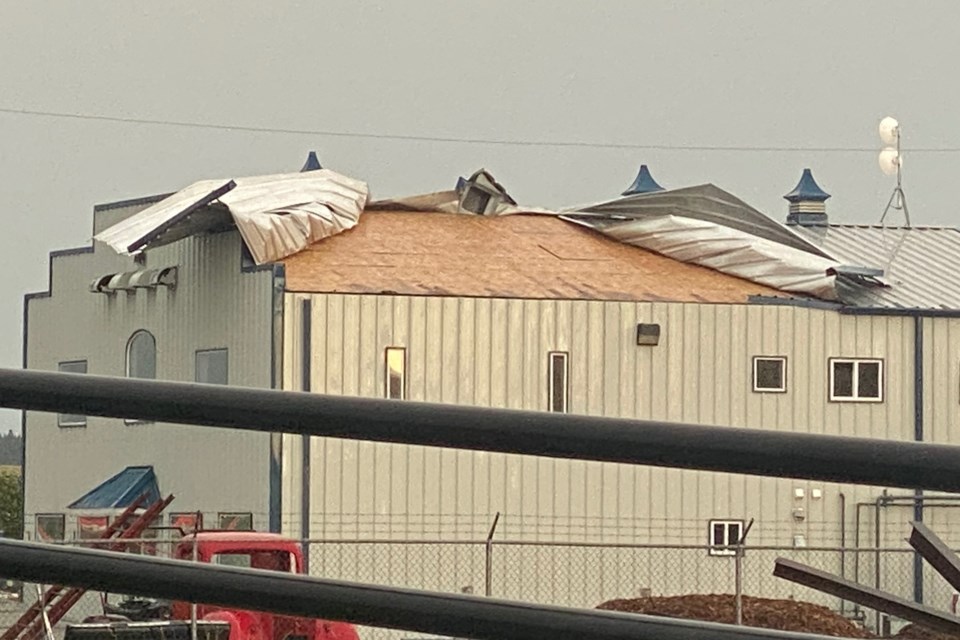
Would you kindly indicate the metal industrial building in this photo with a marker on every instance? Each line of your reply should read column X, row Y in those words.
column 683, row 305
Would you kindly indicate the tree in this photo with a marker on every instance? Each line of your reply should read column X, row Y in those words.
column 11, row 448
column 11, row 504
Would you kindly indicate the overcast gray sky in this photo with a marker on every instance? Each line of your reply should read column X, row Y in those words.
column 787, row 84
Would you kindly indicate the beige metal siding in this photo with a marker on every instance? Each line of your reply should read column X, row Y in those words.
column 941, row 378
column 214, row 305
column 493, row 352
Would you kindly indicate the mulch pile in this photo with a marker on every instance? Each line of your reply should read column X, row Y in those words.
column 913, row 632
column 783, row 615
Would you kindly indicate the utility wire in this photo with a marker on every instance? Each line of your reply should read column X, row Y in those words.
column 461, row 140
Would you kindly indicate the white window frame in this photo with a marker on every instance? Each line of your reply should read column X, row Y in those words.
column 552, row 357
column 403, row 372
column 856, row 362
column 724, row 549
column 64, row 419
column 783, row 374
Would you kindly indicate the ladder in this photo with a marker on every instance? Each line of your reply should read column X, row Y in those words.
column 60, row 600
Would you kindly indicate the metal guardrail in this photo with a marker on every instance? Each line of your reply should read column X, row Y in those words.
column 733, row 450
column 811, row 456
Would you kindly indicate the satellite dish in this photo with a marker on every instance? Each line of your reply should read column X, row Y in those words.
column 889, row 130
column 890, row 161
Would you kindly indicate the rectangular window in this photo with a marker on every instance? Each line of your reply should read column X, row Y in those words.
column 186, row 522
column 770, row 374
column 69, row 419
column 91, row 527
column 856, row 380
column 51, row 527
column 396, row 374
column 557, row 387
column 211, row 365
column 236, row 521
column 724, row 534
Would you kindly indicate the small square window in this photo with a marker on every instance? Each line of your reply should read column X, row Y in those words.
column 236, row 521
column 770, row 374
column 51, row 527
column 91, row 527
column 856, row 380
column 69, row 419
column 188, row 523
column 724, row 534
column 211, row 366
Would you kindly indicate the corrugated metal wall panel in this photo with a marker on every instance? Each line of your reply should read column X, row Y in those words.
column 214, row 305
column 493, row 352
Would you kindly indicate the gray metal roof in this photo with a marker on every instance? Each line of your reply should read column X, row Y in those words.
column 921, row 265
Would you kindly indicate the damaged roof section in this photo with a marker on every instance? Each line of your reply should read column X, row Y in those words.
column 512, row 256
column 707, row 226
column 480, row 194
column 277, row 215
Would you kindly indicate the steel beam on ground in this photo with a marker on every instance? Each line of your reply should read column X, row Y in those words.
column 874, row 462
column 451, row 615
column 937, row 553
column 866, row 596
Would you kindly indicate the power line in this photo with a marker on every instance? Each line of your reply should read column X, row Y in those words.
column 460, row 140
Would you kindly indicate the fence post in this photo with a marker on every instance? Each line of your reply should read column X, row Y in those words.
column 488, row 573
column 193, row 605
column 738, row 572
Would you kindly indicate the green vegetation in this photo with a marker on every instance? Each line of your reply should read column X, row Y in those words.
column 11, row 503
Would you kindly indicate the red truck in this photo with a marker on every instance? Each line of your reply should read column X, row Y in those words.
column 254, row 550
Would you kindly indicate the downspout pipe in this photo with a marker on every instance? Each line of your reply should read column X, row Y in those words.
column 918, row 393
column 306, row 383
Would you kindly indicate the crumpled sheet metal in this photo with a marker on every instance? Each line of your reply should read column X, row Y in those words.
column 277, row 215
column 449, row 202
column 727, row 250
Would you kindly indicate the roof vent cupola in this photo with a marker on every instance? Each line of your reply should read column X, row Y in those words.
column 644, row 183
column 807, row 202
column 312, row 163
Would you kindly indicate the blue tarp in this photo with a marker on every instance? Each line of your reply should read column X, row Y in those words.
column 122, row 490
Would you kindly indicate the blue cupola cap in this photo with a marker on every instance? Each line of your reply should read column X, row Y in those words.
column 807, row 190
column 643, row 184
column 807, row 202
column 312, row 163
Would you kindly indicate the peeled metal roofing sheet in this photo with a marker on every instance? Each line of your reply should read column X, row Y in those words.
column 921, row 264
column 728, row 250
column 277, row 215
column 708, row 203
column 120, row 491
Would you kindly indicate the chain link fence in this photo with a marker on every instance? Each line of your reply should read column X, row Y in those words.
column 586, row 575
column 577, row 575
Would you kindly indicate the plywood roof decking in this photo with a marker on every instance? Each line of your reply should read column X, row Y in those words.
column 517, row 256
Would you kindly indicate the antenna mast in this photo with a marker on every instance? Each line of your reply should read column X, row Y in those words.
column 891, row 162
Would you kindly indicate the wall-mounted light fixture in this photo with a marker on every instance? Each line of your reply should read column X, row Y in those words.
column 648, row 334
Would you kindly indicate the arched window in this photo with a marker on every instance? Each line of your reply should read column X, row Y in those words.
column 142, row 355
